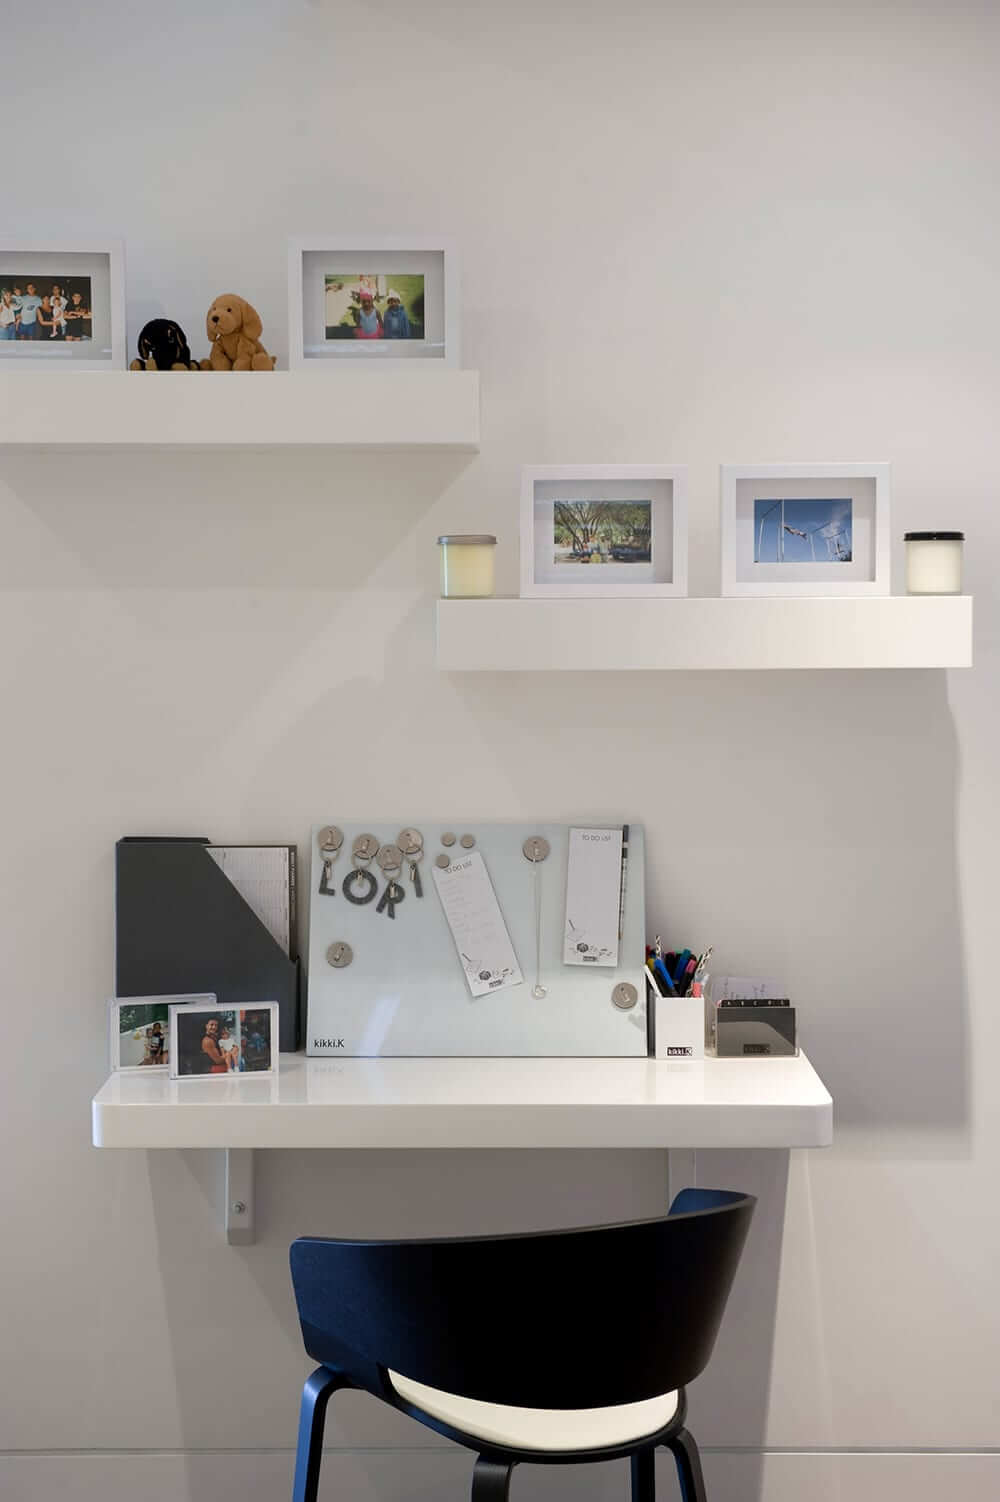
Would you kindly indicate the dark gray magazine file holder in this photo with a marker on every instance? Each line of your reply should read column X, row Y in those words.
column 181, row 927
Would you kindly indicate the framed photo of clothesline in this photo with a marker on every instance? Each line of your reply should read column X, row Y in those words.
column 805, row 529
column 371, row 302
column 62, row 306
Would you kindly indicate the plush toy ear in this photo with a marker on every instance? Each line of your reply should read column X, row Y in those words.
column 252, row 326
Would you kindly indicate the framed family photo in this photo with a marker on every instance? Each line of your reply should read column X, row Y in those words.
column 805, row 529
column 371, row 301
column 139, row 1030
column 62, row 306
column 604, row 530
column 220, row 1042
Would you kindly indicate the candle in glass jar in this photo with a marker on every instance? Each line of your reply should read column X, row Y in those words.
column 467, row 566
column 934, row 563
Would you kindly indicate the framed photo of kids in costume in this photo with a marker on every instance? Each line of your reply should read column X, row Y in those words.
column 372, row 302
column 62, row 306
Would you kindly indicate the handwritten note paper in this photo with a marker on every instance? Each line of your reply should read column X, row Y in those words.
column 477, row 925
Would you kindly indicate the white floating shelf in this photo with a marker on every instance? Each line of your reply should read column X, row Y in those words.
column 898, row 631
column 420, row 408
column 484, row 1103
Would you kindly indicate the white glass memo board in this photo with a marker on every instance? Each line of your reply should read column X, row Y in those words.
column 404, row 991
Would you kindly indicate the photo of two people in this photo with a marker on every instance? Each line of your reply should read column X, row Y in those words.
column 142, row 1036
column 378, row 305
column 223, row 1040
column 36, row 308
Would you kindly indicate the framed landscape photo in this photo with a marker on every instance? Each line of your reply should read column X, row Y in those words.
column 805, row 529
column 371, row 302
column 604, row 530
column 62, row 306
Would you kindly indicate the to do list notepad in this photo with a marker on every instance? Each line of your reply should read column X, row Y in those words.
column 477, row 925
column 593, row 897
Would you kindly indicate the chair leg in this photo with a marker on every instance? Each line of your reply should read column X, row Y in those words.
column 490, row 1480
column 316, row 1394
column 688, row 1462
column 643, row 1467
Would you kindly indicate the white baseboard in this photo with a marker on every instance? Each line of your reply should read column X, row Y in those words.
column 438, row 1475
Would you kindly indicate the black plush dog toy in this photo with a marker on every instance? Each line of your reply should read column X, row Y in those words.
column 163, row 346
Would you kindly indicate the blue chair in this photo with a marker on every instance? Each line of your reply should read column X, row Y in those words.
column 560, row 1348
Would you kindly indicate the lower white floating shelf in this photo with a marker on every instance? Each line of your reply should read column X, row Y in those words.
column 888, row 631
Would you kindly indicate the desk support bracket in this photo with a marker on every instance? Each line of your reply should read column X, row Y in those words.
column 239, row 1211
column 682, row 1171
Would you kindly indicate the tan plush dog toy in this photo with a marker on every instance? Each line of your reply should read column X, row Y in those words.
column 234, row 329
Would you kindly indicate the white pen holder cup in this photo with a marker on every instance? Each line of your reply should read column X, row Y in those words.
column 678, row 1026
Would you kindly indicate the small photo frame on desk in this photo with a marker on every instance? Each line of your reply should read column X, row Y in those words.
column 603, row 531
column 805, row 529
column 219, row 1042
column 139, row 1030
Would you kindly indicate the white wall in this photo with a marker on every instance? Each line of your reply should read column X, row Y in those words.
column 691, row 232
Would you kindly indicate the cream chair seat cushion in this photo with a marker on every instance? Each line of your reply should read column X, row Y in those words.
column 540, row 1428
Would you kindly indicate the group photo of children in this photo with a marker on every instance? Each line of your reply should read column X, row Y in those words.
column 374, row 306
column 45, row 308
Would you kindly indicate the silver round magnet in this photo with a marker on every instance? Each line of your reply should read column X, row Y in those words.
column 442, row 861
column 390, row 858
column 624, row 996
column 365, row 846
column 330, row 838
column 339, row 954
column 410, row 841
column 467, row 841
column 448, row 839
column 536, row 848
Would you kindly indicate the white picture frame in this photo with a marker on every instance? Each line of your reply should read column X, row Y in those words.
column 315, row 257
column 854, row 530
column 188, row 1060
column 103, row 265
column 665, row 575
column 135, row 1043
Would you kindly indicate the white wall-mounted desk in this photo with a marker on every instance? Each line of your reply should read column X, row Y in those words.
column 467, row 1103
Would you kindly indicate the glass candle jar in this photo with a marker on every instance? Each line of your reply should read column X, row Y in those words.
column 934, row 563
column 467, row 571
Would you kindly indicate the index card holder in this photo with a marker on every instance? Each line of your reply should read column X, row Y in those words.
column 181, row 926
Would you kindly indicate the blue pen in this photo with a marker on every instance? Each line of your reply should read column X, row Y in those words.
column 664, row 974
column 681, row 966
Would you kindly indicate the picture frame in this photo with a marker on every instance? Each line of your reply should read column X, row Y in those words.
column 805, row 529
column 89, row 277
column 328, row 323
column 139, row 1031
column 569, row 549
column 223, row 1041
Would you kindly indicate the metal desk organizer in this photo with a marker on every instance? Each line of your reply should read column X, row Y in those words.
column 397, row 988
column 755, row 1029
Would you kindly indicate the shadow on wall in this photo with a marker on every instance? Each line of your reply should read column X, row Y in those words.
column 236, row 1351
column 132, row 521
column 803, row 823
